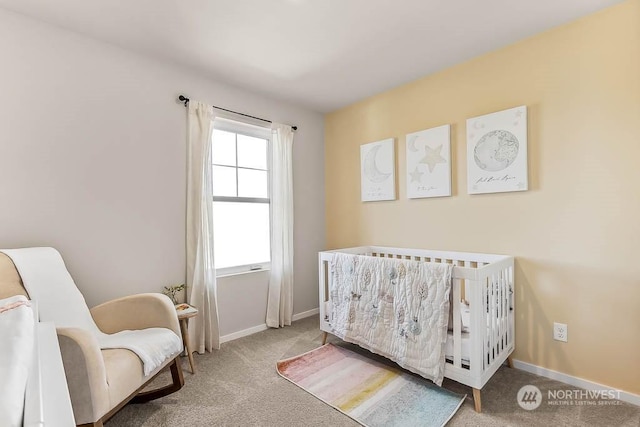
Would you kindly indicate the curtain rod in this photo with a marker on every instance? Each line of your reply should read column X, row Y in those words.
column 185, row 100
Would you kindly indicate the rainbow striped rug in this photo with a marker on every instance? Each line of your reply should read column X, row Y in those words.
column 370, row 392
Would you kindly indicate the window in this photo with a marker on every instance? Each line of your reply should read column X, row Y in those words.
column 240, row 197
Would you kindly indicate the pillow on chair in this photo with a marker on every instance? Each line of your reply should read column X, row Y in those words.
column 16, row 351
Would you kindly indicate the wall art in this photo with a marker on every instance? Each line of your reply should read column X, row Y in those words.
column 429, row 163
column 497, row 152
column 377, row 171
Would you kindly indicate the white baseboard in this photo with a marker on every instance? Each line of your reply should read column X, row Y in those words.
column 625, row 396
column 304, row 314
column 243, row 333
column 263, row 327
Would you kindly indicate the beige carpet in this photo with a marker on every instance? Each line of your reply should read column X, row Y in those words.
column 239, row 386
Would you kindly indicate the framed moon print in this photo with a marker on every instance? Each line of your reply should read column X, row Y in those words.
column 377, row 171
column 429, row 163
column 497, row 152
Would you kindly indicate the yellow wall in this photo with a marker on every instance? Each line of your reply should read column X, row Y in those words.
column 576, row 232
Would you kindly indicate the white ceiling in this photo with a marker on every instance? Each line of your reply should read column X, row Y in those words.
column 322, row 54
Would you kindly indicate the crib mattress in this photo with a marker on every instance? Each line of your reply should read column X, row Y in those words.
column 465, row 345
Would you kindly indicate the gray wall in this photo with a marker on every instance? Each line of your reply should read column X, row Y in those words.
column 92, row 162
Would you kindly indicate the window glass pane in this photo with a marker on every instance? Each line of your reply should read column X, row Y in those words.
column 252, row 152
column 252, row 183
column 223, row 149
column 241, row 233
column 224, row 181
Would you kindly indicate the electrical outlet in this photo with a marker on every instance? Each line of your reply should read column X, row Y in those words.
column 560, row 332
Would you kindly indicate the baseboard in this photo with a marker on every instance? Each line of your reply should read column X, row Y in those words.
column 263, row 327
column 304, row 314
column 243, row 333
column 625, row 396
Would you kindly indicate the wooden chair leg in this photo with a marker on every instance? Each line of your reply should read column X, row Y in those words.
column 178, row 382
column 477, row 402
column 510, row 362
column 324, row 338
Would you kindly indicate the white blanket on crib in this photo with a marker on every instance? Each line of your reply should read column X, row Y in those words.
column 48, row 282
column 394, row 307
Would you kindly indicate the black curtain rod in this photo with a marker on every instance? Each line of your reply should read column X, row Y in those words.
column 185, row 100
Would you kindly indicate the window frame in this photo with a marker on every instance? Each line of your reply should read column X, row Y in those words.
column 241, row 128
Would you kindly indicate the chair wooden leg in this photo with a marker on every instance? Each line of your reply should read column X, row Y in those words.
column 178, row 382
column 476, row 400
column 510, row 362
column 324, row 337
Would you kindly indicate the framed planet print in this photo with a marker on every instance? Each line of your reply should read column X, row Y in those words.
column 429, row 163
column 497, row 152
column 377, row 171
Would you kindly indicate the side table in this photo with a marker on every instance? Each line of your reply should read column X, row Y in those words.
column 186, row 312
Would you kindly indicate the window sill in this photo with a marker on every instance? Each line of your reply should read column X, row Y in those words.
column 239, row 273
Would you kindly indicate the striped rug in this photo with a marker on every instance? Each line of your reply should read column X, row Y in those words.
column 370, row 392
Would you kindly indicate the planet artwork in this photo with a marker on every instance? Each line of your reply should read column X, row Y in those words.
column 496, row 150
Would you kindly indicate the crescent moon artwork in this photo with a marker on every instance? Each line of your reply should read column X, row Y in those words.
column 411, row 143
column 377, row 171
column 370, row 168
column 497, row 155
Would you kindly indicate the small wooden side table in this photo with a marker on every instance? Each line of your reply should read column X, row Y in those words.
column 186, row 312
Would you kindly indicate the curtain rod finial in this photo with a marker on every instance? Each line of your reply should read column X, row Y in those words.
column 184, row 99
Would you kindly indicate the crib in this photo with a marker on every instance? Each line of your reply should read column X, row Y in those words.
column 484, row 282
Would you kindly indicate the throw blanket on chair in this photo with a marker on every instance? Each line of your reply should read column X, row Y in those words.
column 394, row 307
column 46, row 279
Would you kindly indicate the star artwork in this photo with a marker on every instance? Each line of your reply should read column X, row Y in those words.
column 428, row 169
column 432, row 157
column 416, row 175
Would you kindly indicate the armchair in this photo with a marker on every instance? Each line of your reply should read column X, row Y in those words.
column 101, row 382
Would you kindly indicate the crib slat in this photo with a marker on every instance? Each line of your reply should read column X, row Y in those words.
column 457, row 327
column 499, row 341
column 503, row 313
column 486, row 312
column 467, row 291
column 507, row 306
column 493, row 317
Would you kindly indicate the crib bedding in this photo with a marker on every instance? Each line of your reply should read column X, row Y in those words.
column 465, row 341
column 396, row 308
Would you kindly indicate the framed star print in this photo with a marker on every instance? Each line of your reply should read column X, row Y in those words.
column 429, row 163
column 497, row 152
column 377, row 171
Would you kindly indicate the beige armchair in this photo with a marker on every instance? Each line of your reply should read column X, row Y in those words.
column 102, row 381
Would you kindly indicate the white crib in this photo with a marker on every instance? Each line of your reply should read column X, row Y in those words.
column 486, row 283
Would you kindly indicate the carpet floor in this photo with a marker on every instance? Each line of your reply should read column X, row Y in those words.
column 239, row 386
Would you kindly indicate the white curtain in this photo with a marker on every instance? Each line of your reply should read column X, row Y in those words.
column 204, row 331
column 280, row 300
